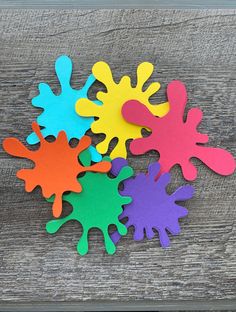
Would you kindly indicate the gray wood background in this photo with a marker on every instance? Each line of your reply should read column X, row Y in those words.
column 120, row 4
column 197, row 47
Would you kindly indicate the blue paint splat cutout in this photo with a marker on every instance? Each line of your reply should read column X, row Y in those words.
column 59, row 110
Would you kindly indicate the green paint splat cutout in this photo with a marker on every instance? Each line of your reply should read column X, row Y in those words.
column 97, row 206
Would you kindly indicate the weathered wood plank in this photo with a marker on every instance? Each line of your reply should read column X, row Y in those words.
column 197, row 47
column 121, row 4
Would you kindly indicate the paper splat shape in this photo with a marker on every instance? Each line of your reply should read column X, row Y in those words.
column 56, row 165
column 97, row 206
column 176, row 140
column 151, row 207
column 59, row 110
column 110, row 120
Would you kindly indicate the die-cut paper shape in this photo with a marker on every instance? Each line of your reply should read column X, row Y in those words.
column 56, row 165
column 152, row 207
column 176, row 140
column 97, row 206
column 59, row 110
column 110, row 120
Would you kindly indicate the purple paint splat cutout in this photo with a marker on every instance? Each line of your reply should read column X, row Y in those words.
column 151, row 208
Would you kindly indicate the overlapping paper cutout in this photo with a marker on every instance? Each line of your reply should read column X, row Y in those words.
column 110, row 120
column 122, row 112
column 176, row 140
column 98, row 206
column 152, row 208
column 56, row 165
column 59, row 110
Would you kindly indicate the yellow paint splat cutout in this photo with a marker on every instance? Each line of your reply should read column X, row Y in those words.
column 111, row 121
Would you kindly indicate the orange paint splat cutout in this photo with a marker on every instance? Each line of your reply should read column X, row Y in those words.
column 56, row 165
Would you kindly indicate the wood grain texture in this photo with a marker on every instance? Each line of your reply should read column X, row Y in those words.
column 197, row 47
column 121, row 4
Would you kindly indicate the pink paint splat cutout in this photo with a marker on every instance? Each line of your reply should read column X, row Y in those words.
column 176, row 140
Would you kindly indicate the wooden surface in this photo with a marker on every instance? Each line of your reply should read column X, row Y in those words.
column 120, row 4
column 197, row 47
